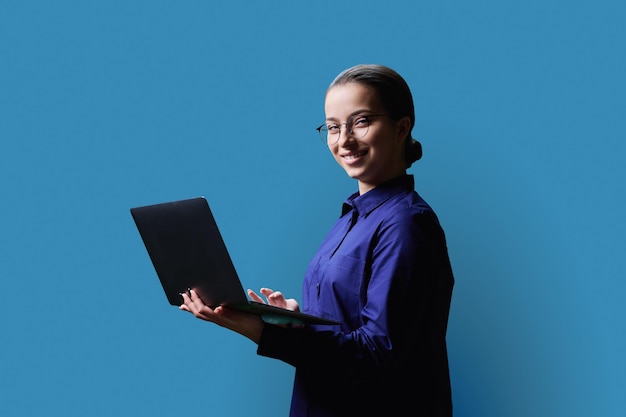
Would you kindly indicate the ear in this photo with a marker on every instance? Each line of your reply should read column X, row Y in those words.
column 403, row 128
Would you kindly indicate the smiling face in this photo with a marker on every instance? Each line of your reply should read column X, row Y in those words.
column 376, row 157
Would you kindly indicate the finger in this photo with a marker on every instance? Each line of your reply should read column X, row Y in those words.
column 195, row 299
column 292, row 304
column 186, row 300
column 277, row 299
column 273, row 296
column 203, row 312
column 276, row 295
column 190, row 307
column 266, row 291
column 255, row 297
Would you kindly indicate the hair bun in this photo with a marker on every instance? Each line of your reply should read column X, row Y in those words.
column 413, row 151
column 416, row 148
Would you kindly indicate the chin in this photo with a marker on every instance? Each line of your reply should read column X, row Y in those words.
column 353, row 172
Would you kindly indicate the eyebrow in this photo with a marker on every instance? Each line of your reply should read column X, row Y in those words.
column 355, row 113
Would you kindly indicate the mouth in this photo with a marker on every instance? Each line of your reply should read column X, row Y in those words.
column 353, row 156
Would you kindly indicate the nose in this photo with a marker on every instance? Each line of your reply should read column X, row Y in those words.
column 345, row 134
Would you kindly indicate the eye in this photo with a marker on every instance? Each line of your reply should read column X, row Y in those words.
column 333, row 128
column 361, row 122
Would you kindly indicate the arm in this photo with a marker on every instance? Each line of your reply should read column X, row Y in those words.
column 403, row 294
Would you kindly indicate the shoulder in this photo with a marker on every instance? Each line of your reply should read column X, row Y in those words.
column 405, row 217
column 407, row 208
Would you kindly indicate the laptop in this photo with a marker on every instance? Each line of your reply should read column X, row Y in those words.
column 187, row 251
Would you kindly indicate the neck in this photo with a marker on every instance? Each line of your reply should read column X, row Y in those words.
column 365, row 186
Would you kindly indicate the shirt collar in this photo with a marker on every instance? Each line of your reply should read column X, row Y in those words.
column 366, row 203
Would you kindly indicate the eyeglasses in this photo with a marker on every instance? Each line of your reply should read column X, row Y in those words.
column 357, row 126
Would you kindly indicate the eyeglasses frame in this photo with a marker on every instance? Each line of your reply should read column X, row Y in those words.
column 349, row 131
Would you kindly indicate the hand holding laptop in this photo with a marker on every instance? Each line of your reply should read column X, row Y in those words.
column 246, row 324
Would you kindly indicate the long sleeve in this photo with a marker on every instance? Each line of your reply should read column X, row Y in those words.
column 383, row 272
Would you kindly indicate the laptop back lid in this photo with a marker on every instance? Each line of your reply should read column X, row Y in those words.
column 187, row 251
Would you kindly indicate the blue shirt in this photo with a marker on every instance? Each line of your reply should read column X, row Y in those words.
column 383, row 271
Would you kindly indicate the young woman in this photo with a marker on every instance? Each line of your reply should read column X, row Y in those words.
column 382, row 271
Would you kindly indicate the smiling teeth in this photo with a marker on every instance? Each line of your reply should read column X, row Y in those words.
column 354, row 155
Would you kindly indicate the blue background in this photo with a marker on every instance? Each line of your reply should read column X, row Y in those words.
column 106, row 105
